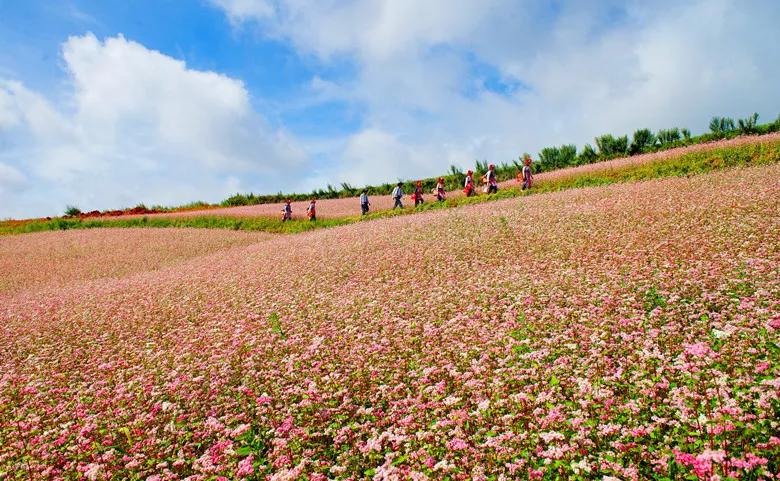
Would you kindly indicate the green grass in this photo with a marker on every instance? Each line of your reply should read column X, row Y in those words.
column 693, row 163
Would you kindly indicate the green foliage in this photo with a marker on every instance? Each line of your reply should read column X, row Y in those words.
column 721, row 125
column 748, row 125
column 276, row 325
column 653, row 299
column 686, row 134
column 72, row 210
column 642, row 142
column 610, row 146
column 588, row 155
column 668, row 136
column 552, row 158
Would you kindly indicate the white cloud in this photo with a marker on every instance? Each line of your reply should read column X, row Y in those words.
column 141, row 126
column 10, row 178
column 584, row 68
column 242, row 10
column 138, row 126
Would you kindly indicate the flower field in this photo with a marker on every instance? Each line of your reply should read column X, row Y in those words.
column 623, row 332
column 73, row 256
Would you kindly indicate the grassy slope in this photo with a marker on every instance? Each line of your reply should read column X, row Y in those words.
column 687, row 164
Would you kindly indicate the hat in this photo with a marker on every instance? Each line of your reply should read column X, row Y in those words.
column 491, row 166
column 470, row 172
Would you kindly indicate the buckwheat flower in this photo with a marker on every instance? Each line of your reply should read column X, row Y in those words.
column 457, row 444
column 718, row 334
column 93, row 472
column 581, row 466
column 245, row 467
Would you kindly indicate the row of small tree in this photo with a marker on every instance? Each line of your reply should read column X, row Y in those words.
column 549, row 158
column 645, row 140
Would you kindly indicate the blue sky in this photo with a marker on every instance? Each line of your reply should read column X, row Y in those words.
column 105, row 104
column 194, row 31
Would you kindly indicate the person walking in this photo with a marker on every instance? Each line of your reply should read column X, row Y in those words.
column 287, row 211
column 440, row 193
column 528, row 176
column 468, row 186
column 311, row 211
column 492, row 181
column 364, row 203
column 418, row 194
column 398, row 193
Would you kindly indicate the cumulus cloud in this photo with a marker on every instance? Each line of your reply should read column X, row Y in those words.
column 426, row 71
column 137, row 126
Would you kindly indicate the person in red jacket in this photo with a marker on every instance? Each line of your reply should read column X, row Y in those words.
column 468, row 186
column 439, row 190
column 418, row 194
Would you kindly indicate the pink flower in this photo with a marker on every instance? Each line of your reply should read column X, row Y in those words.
column 457, row 444
column 699, row 349
column 245, row 467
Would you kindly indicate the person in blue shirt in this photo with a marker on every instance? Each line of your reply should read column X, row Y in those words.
column 364, row 203
column 398, row 193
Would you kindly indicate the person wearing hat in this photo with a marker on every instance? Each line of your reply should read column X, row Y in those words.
column 287, row 211
column 439, row 190
column 364, row 203
column 468, row 186
column 418, row 193
column 398, row 193
column 490, row 179
column 311, row 211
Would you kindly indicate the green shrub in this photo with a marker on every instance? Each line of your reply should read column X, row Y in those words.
column 610, row 146
column 748, row 125
column 588, row 155
column 643, row 141
column 72, row 211
column 721, row 125
column 670, row 136
column 552, row 158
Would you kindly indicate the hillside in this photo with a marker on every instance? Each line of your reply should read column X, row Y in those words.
column 336, row 208
column 628, row 331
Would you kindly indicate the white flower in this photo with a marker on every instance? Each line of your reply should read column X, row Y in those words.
column 720, row 334
column 581, row 466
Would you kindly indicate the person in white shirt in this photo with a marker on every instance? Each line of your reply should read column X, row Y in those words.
column 287, row 211
column 364, row 203
column 490, row 178
column 468, row 186
column 398, row 193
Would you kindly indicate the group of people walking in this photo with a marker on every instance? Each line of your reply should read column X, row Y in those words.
column 489, row 179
